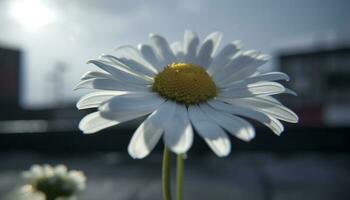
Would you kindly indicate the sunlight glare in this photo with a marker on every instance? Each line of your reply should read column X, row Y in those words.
column 32, row 14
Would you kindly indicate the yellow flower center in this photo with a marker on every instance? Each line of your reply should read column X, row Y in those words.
column 185, row 83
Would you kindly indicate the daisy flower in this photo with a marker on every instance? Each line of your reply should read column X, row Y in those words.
column 54, row 182
column 183, row 86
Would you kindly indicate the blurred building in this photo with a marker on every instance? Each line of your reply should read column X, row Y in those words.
column 321, row 77
column 13, row 117
column 9, row 82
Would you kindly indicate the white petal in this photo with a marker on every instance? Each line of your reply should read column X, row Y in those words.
column 149, row 132
column 95, row 99
column 251, row 90
column 118, row 114
column 239, row 62
column 224, row 57
column 289, row 91
column 177, row 48
column 94, row 122
column 269, row 107
column 128, row 52
column 138, row 66
column 213, row 135
column 35, row 172
column 95, row 74
column 271, row 76
column 268, row 121
column 234, row 125
column 191, row 42
column 144, row 139
column 163, row 49
column 270, row 98
column 178, row 135
column 130, row 103
column 110, row 84
column 207, row 49
column 121, row 73
column 150, row 55
column 163, row 114
column 248, row 69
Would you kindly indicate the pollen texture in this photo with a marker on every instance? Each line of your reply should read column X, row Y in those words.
column 185, row 83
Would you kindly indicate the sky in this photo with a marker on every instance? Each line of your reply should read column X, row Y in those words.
column 70, row 32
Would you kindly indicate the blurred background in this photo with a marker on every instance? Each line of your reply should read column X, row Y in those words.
column 44, row 46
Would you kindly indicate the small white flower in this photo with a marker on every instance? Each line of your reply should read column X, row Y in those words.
column 183, row 85
column 54, row 182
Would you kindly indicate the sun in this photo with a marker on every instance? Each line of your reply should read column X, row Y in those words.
column 32, row 14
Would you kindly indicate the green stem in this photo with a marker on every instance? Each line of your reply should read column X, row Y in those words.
column 180, row 161
column 166, row 174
